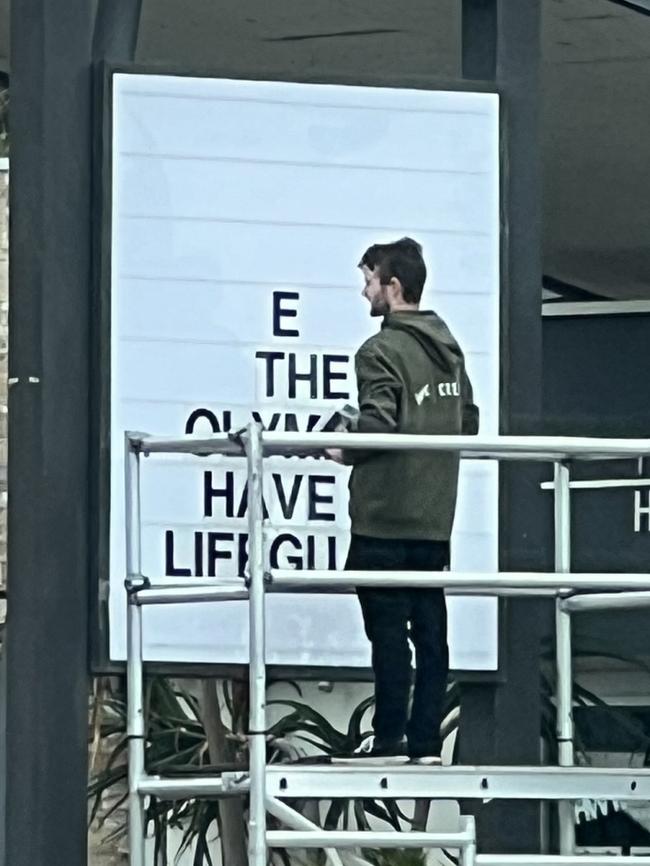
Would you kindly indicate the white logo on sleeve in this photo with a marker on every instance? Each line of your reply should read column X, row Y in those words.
column 449, row 389
column 425, row 391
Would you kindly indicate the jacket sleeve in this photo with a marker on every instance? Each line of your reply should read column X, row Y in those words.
column 470, row 409
column 379, row 400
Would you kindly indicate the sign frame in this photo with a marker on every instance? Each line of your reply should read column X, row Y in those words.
column 101, row 663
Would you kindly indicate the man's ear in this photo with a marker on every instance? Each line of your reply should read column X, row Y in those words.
column 396, row 290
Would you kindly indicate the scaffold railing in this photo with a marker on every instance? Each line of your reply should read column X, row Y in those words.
column 267, row 786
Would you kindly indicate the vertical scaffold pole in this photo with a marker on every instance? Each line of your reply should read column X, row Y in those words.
column 468, row 855
column 564, row 694
column 257, row 850
column 134, row 663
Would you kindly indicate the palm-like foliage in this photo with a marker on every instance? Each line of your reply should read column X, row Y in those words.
column 176, row 743
column 583, row 697
column 307, row 725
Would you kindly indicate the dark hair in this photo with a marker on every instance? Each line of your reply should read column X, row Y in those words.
column 401, row 259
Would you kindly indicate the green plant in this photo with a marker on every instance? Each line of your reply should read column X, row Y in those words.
column 177, row 742
column 583, row 697
column 305, row 724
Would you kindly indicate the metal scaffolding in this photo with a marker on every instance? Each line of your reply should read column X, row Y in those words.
column 266, row 786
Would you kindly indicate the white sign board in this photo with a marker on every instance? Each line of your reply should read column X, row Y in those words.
column 240, row 210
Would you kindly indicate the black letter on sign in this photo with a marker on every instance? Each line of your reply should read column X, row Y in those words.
column 330, row 375
column 210, row 493
column 243, row 504
column 273, row 423
column 213, row 553
column 279, row 311
column 270, row 358
column 278, row 541
column 295, row 376
column 287, row 507
column 316, row 498
column 209, row 416
column 170, row 568
column 242, row 556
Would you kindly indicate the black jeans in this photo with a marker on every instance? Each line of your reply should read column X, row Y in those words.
column 391, row 616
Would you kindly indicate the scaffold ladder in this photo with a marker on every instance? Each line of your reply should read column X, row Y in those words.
column 267, row 786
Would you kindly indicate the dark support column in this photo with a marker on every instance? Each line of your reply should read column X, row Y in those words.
column 46, row 639
column 501, row 724
column 518, row 60
column 479, row 39
column 50, row 314
column 116, row 29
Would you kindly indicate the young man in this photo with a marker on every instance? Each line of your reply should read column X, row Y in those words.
column 411, row 379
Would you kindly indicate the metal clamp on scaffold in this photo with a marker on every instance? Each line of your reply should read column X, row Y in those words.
column 135, row 583
column 268, row 579
column 237, row 436
column 235, row 783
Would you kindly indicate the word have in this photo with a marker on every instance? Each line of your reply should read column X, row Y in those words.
column 285, row 492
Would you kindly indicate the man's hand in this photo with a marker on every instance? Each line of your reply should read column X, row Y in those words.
column 335, row 454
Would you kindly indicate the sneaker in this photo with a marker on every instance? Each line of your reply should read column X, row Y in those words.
column 428, row 754
column 373, row 751
column 426, row 760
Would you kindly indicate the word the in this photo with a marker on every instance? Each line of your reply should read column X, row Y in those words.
column 282, row 375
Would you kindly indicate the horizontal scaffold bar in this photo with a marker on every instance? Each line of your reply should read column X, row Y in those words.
column 193, row 594
column 561, row 860
column 330, row 781
column 606, row 601
column 188, row 595
column 483, row 582
column 519, row 783
column 369, row 838
column 455, row 583
column 472, row 447
column 476, row 447
column 600, row 484
column 179, row 787
column 199, row 445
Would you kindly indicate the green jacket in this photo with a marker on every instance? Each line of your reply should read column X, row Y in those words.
column 411, row 379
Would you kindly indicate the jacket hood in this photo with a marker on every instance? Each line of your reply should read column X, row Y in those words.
column 431, row 333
